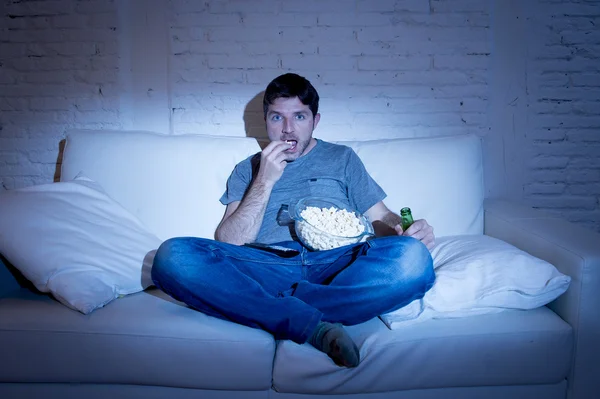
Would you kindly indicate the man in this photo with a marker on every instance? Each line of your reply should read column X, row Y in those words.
column 256, row 274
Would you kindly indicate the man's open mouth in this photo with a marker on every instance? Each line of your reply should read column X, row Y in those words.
column 294, row 143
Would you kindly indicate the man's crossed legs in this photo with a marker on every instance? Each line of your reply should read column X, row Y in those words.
column 297, row 294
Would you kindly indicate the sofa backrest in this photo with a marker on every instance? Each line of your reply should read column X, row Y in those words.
column 173, row 182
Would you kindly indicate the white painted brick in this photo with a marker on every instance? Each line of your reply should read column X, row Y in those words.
column 577, row 202
column 69, row 49
column 585, row 80
column 353, row 20
column 50, row 104
column 256, row 48
column 68, row 21
column 584, row 189
column 48, row 77
column 107, row 20
column 584, row 136
column 445, row 6
column 210, row 75
column 41, row 7
column 545, row 188
column 189, row 34
column 395, row 63
column 244, row 6
column 240, row 61
column 181, row 6
column 548, row 162
column 261, row 77
column 204, row 19
column 302, row 34
column 283, row 19
column 317, row 62
column 96, row 7
column 247, row 35
column 465, row 63
column 183, row 62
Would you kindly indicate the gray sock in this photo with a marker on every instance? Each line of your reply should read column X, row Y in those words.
column 336, row 343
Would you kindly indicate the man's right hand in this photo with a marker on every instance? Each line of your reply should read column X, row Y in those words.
column 272, row 162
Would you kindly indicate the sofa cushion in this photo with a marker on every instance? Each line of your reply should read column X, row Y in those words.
column 142, row 339
column 171, row 182
column 509, row 348
column 439, row 178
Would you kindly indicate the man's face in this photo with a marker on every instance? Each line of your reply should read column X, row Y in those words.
column 289, row 120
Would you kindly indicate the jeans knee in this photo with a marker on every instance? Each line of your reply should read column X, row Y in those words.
column 414, row 263
column 167, row 263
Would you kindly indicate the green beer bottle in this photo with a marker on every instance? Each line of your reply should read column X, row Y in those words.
column 407, row 218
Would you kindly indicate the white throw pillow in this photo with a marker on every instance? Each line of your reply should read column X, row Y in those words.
column 74, row 241
column 478, row 274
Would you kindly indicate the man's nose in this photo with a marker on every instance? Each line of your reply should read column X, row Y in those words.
column 287, row 126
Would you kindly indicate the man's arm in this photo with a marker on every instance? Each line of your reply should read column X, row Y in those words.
column 386, row 223
column 242, row 220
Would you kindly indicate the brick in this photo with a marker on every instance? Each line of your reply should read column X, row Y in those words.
column 548, row 162
column 545, row 188
column 282, row 19
column 586, row 79
column 317, row 62
column 68, row 21
column 395, row 63
column 337, row 19
column 262, row 77
column 50, row 104
column 584, row 136
column 95, row 7
column 310, row 6
column 240, row 61
column 247, row 35
column 182, row 6
column 243, row 6
column 301, row 34
column 578, row 37
column 189, row 34
column 577, row 202
column 444, row 6
column 210, row 76
column 41, row 7
column 584, row 189
column 464, row 63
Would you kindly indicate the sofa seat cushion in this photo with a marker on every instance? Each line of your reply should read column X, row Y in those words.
column 142, row 339
column 514, row 347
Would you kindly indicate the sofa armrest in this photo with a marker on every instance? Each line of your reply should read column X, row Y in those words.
column 575, row 251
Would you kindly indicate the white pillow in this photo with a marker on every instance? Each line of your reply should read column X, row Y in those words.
column 479, row 274
column 74, row 241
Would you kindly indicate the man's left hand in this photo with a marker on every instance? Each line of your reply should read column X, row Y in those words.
column 421, row 230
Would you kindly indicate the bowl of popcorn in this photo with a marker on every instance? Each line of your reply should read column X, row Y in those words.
column 323, row 223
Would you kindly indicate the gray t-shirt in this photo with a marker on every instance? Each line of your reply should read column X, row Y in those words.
column 328, row 170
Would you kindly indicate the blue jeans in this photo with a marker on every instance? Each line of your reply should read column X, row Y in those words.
column 289, row 293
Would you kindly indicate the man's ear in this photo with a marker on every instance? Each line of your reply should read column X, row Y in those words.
column 316, row 120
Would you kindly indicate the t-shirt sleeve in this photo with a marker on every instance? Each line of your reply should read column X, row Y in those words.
column 237, row 183
column 363, row 190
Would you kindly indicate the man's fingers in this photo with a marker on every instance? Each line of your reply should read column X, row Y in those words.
column 275, row 146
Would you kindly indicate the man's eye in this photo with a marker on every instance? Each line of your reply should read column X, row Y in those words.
column 300, row 117
column 276, row 117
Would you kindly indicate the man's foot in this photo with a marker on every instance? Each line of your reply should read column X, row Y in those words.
column 336, row 343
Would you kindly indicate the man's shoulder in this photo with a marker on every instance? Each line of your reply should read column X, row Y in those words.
column 336, row 148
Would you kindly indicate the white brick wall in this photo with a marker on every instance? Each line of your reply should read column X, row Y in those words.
column 384, row 68
column 58, row 68
column 563, row 136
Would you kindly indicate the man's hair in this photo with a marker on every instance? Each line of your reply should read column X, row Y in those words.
column 291, row 85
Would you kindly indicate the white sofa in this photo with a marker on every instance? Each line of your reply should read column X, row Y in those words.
column 147, row 345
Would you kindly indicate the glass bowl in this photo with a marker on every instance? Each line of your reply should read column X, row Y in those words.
column 317, row 239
